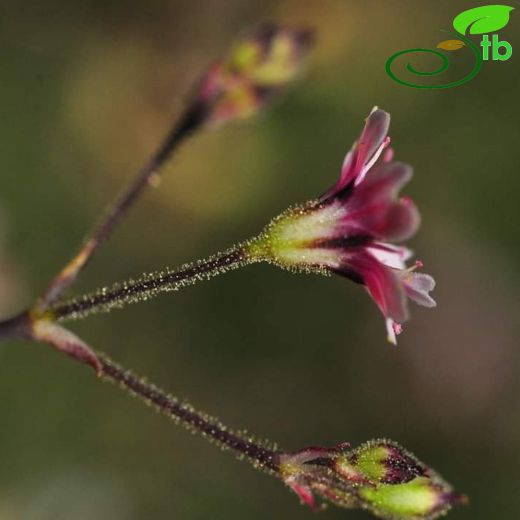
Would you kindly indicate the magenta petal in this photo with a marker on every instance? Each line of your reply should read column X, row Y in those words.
column 365, row 151
column 347, row 168
column 400, row 223
column 383, row 284
column 347, row 175
column 372, row 138
column 374, row 210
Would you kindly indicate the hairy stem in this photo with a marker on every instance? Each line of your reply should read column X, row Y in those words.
column 149, row 285
column 183, row 413
column 262, row 456
column 191, row 121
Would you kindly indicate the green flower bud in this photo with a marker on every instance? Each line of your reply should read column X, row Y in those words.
column 379, row 476
column 255, row 71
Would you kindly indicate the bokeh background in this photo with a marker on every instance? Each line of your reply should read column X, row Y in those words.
column 87, row 89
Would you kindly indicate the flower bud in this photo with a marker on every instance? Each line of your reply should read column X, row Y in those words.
column 255, row 71
column 379, row 476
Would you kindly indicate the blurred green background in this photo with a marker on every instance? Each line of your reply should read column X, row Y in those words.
column 87, row 90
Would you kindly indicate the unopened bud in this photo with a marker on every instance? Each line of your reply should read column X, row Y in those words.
column 379, row 476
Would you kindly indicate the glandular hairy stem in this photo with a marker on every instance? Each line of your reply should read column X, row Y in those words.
column 262, row 457
column 150, row 285
column 192, row 119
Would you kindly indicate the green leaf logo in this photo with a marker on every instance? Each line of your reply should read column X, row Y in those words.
column 484, row 19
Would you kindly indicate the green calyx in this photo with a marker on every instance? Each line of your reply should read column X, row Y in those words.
column 292, row 239
column 368, row 464
column 414, row 500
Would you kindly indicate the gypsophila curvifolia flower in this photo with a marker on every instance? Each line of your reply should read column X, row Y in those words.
column 351, row 229
column 255, row 71
column 379, row 476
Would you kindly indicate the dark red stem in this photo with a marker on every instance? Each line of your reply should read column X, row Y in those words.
column 261, row 456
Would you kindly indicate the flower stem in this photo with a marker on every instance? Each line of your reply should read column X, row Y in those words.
column 261, row 456
column 15, row 327
column 149, row 285
column 190, row 121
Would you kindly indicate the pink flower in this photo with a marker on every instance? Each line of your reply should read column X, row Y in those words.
column 351, row 230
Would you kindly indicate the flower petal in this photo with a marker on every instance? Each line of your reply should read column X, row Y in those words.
column 390, row 255
column 383, row 283
column 365, row 152
column 372, row 142
column 391, row 335
column 374, row 210
column 418, row 286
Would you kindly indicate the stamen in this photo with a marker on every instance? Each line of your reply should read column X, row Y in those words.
column 418, row 264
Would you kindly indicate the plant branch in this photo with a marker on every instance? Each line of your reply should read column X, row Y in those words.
column 149, row 285
column 15, row 327
column 183, row 413
column 191, row 121
column 22, row 326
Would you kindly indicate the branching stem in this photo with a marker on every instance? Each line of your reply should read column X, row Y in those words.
column 15, row 327
column 191, row 121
